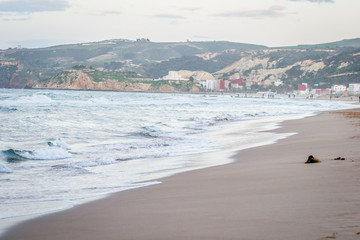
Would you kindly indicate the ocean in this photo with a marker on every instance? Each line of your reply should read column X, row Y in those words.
column 62, row 148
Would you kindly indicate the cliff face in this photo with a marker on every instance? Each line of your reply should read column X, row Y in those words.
column 320, row 67
column 79, row 80
column 260, row 68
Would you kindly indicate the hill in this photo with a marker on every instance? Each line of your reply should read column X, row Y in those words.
column 117, row 64
column 353, row 43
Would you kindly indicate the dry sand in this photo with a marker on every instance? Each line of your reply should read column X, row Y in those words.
column 268, row 193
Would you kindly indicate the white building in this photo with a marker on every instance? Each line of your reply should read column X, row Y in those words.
column 184, row 75
column 175, row 75
column 338, row 88
column 354, row 88
column 211, row 85
column 278, row 82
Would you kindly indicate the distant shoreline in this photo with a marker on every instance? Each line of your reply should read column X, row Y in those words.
column 237, row 94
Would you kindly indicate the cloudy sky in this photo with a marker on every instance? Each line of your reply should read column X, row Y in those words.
column 40, row 23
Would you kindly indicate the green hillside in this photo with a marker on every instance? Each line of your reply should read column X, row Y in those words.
column 123, row 60
column 352, row 43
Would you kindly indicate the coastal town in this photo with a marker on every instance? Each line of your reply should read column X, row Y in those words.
column 209, row 83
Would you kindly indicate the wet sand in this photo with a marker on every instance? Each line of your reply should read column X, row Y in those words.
column 267, row 193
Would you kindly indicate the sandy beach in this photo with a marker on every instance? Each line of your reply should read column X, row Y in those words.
column 267, row 193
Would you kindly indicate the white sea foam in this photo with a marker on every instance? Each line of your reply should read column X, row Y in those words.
column 59, row 143
column 53, row 153
column 99, row 101
column 88, row 164
column 34, row 100
column 4, row 169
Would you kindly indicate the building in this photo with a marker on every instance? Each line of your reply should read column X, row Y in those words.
column 235, row 83
column 278, row 83
column 354, row 88
column 211, row 85
column 175, row 75
column 321, row 92
column 338, row 88
column 220, row 85
column 303, row 87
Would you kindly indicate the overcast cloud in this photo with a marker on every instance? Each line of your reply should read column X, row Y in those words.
column 39, row 23
column 273, row 11
column 30, row 6
column 315, row 1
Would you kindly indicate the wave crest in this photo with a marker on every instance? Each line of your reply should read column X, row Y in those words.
column 58, row 143
column 33, row 100
column 54, row 153
column 151, row 132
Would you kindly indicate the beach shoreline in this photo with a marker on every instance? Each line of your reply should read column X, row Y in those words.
column 267, row 193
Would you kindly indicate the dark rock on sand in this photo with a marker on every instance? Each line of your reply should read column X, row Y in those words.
column 312, row 159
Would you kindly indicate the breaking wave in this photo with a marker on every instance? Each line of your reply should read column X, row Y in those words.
column 58, row 143
column 151, row 132
column 34, row 100
column 54, row 153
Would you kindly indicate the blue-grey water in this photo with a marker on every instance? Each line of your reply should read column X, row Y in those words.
column 62, row 148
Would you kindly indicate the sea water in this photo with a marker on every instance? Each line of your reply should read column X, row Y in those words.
column 62, row 148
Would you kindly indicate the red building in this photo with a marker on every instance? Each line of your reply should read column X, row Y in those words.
column 235, row 83
column 238, row 81
column 321, row 92
column 303, row 86
column 220, row 85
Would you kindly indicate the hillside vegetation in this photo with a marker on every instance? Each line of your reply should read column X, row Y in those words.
column 131, row 65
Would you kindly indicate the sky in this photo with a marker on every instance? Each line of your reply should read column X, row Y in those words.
column 274, row 23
